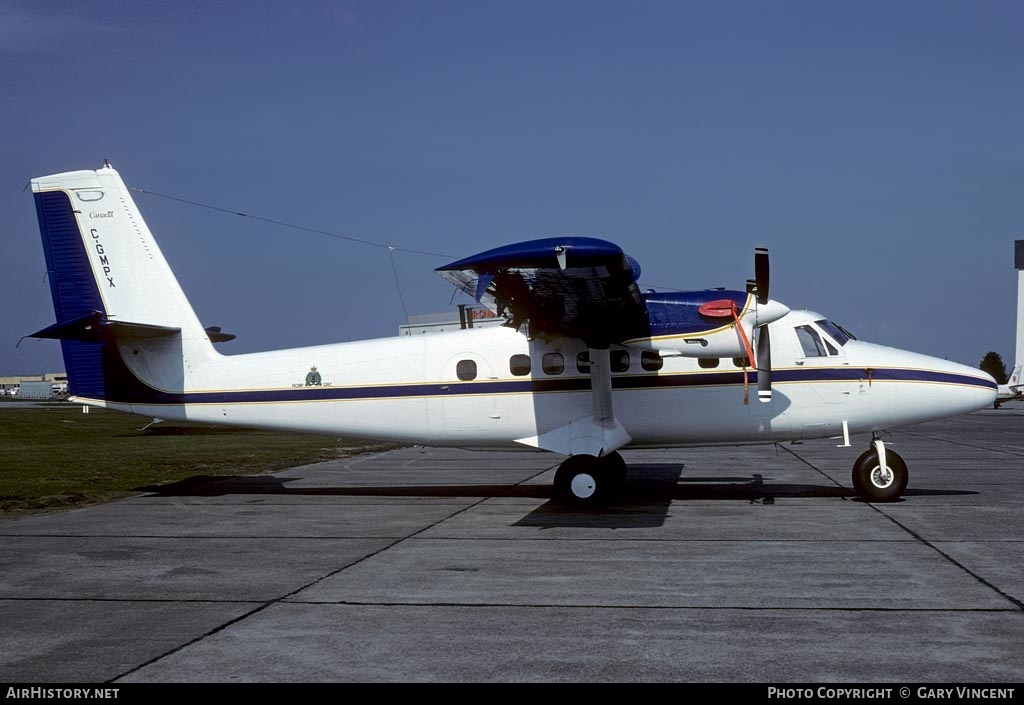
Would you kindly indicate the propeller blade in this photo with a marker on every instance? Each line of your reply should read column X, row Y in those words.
column 761, row 275
column 764, row 365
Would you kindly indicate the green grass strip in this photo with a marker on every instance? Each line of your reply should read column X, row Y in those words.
column 54, row 456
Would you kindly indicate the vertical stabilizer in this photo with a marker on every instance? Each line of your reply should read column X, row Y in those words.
column 113, row 291
column 1014, row 382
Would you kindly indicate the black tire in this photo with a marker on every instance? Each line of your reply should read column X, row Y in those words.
column 581, row 481
column 872, row 485
column 615, row 470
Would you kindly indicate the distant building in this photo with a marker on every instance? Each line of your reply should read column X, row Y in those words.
column 35, row 390
column 57, row 384
column 1018, row 262
column 465, row 317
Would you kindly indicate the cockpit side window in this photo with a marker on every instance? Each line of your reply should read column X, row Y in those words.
column 810, row 341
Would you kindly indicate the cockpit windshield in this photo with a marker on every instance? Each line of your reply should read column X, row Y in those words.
column 838, row 333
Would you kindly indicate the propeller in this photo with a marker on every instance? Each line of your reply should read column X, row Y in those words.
column 761, row 277
column 764, row 341
column 764, row 364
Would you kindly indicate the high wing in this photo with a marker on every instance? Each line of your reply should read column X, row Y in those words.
column 578, row 287
column 587, row 289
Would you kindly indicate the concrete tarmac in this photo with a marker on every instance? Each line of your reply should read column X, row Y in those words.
column 418, row 564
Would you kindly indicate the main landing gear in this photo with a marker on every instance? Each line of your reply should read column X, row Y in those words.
column 589, row 481
column 880, row 474
column 585, row 481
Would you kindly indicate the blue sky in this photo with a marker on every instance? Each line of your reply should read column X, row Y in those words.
column 875, row 147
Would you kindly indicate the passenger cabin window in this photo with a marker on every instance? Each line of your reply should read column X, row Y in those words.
column 708, row 363
column 651, row 361
column 519, row 365
column 466, row 370
column 619, row 361
column 741, row 362
column 552, row 363
column 583, row 363
column 811, row 342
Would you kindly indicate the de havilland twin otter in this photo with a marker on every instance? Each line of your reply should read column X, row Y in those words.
column 586, row 365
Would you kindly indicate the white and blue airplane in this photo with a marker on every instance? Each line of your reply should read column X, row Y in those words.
column 586, row 365
column 1013, row 390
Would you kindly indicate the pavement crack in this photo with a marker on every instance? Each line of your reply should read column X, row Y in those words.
column 813, row 467
column 283, row 598
column 162, row 600
column 606, row 606
column 920, row 539
column 991, row 586
column 962, row 444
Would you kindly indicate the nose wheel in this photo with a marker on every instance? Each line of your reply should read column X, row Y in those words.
column 880, row 474
column 587, row 481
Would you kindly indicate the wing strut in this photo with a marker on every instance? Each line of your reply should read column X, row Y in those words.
column 597, row 434
column 601, row 384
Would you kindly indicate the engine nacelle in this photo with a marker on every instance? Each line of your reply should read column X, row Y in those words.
column 710, row 324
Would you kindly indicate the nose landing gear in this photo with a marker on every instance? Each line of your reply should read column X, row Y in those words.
column 880, row 474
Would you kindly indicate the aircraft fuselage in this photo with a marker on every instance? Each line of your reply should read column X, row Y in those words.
column 493, row 386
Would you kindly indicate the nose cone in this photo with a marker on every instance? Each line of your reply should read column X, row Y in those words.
column 921, row 387
column 963, row 389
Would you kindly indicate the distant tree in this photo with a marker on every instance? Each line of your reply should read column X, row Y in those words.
column 993, row 364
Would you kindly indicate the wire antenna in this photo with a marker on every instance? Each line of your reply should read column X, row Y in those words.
column 293, row 226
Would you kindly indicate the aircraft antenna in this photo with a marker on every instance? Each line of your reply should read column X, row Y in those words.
column 283, row 224
column 398, row 284
column 391, row 249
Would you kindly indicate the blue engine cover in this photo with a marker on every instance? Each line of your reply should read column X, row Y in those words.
column 677, row 312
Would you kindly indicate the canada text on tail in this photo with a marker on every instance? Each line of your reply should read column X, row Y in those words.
column 127, row 331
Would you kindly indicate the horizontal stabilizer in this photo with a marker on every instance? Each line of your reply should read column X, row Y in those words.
column 94, row 326
column 216, row 336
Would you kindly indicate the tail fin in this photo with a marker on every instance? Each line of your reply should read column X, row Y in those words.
column 126, row 329
column 1015, row 383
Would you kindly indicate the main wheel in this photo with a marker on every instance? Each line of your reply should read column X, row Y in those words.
column 582, row 481
column 615, row 470
column 875, row 484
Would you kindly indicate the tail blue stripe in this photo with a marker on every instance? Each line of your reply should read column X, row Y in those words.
column 73, row 288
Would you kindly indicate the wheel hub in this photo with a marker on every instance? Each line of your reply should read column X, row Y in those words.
column 583, row 485
column 882, row 477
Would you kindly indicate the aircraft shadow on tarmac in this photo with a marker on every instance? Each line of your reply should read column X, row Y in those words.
column 644, row 502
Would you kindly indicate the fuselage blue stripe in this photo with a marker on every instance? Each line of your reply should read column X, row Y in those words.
column 540, row 386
